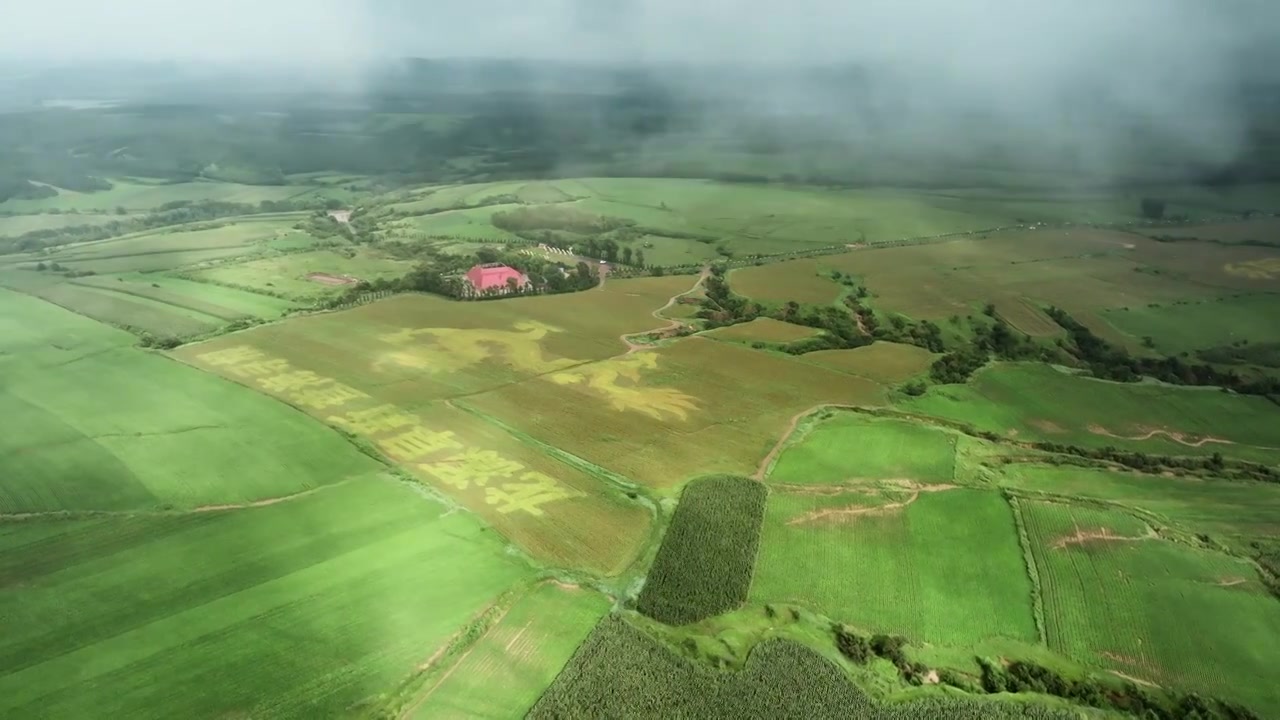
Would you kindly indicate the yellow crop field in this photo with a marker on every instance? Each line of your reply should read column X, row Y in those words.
column 765, row 330
column 884, row 362
column 662, row 416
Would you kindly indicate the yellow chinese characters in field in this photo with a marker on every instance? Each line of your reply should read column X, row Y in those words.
column 276, row 375
column 485, row 475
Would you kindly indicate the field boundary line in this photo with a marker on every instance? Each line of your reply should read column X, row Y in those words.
column 460, row 645
column 1033, row 570
column 198, row 510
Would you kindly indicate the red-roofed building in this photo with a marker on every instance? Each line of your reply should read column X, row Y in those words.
column 493, row 275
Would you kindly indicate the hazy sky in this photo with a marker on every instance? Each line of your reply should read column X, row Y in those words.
column 1045, row 67
column 988, row 38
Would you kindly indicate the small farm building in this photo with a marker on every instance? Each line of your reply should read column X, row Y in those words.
column 495, row 275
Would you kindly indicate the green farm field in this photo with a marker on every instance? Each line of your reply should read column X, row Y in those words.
column 299, row 609
column 587, row 504
column 1118, row 596
column 1232, row 512
column 1201, row 324
column 1080, row 270
column 137, row 196
column 936, row 565
column 851, row 447
column 18, row 224
column 507, row 669
column 800, row 281
column 98, row 425
column 287, row 274
column 1036, row 402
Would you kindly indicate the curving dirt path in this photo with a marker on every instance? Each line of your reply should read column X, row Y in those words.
column 1177, row 437
column 768, row 460
column 671, row 324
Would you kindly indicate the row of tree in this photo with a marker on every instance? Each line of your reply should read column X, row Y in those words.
column 1111, row 362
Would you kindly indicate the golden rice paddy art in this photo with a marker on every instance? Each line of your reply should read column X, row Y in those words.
column 437, row 350
column 618, row 382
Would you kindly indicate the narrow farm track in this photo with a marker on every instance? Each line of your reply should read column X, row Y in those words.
column 87, row 514
column 794, row 423
column 671, row 324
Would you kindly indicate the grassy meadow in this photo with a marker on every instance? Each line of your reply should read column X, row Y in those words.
column 286, row 274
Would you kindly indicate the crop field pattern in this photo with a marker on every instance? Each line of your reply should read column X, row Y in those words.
column 298, row 609
column 534, row 500
column 931, row 563
column 854, row 448
column 504, row 672
column 1119, row 596
column 704, row 565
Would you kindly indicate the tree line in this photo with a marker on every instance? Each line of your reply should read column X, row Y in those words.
column 1110, row 362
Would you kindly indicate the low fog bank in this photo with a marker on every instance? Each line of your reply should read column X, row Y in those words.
column 872, row 91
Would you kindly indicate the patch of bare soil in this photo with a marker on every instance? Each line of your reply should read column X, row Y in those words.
column 932, row 678
column 1047, row 426
column 327, row 279
column 1231, row 581
column 842, row 514
column 1178, row 437
column 342, row 216
column 1132, row 679
column 1080, row 537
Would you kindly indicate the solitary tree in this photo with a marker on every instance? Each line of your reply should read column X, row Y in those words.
column 640, row 258
column 626, row 255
